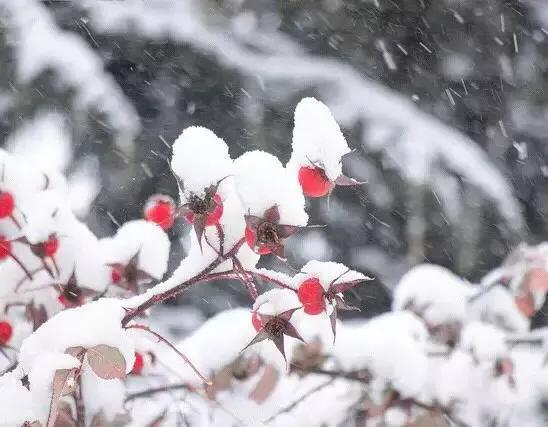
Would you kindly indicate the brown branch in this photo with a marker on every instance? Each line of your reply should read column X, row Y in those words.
column 272, row 280
column 204, row 276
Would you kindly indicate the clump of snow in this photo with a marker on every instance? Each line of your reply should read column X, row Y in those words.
column 262, row 182
column 328, row 273
column 95, row 323
column 439, row 295
column 43, row 141
column 16, row 401
column 391, row 346
column 497, row 306
column 484, row 341
column 276, row 301
column 317, row 139
column 200, row 159
column 101, row 396
column 144, row 238
column 41, row 378
column 73, row 62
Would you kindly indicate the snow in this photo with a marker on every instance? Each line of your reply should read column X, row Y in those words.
column 262, row 182
column 439, row 295
column 392, row 347
column 16, row 402
column 200, row 159
column 423, row 148
column 317, row 139
column 101, row 321
column 142, row 237
column 484, row 341
column 106, row 396
column 276, row 301
column 73, row 62
column 328, row 273
column 41, row 378
column 214, row 345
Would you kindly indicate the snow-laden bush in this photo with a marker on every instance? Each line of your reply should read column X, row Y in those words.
column 80, row 352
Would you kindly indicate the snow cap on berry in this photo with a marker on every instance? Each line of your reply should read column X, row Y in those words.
column 262, row 182
column 200, row 160
column 317, row 139
column 328, row 273
column 144, row 238
column 436, row 292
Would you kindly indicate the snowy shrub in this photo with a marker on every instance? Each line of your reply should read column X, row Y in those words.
column 80, row 350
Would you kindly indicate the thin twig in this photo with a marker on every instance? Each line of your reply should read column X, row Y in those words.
column 292, row 405
column 155, row 390
column 171, row 346
column 203, row 276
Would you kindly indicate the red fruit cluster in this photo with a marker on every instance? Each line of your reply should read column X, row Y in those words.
column 138, row 364
column 160, row 210
column 7, row 204
column 6, row 331
column 5, row 247
column 314, row 181
column 311, row 295
column 212, row 218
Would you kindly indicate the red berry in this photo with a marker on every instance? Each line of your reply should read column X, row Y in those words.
column 214, row 217
column 63, row 300
column 260, row 247
column 5, row 247
column 51, row 245
column 161, row 210
column 6, row 331
column 138, row 364
column 314, row 181
column 7, row 204
column 311, row 295
column 116, row 274
column 256, row 320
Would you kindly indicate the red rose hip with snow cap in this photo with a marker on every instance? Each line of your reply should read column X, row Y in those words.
column 311, row 295
column 160, row 210
column 6, row 331
column 214, row 216
column 314, row 181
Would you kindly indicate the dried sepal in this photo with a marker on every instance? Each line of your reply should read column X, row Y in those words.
column 274, row 328
column 37, row 315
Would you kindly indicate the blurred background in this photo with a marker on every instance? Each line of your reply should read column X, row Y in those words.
column 443, row 101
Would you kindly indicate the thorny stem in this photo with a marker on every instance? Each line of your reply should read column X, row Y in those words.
column 171, row 346
column 204, row 276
